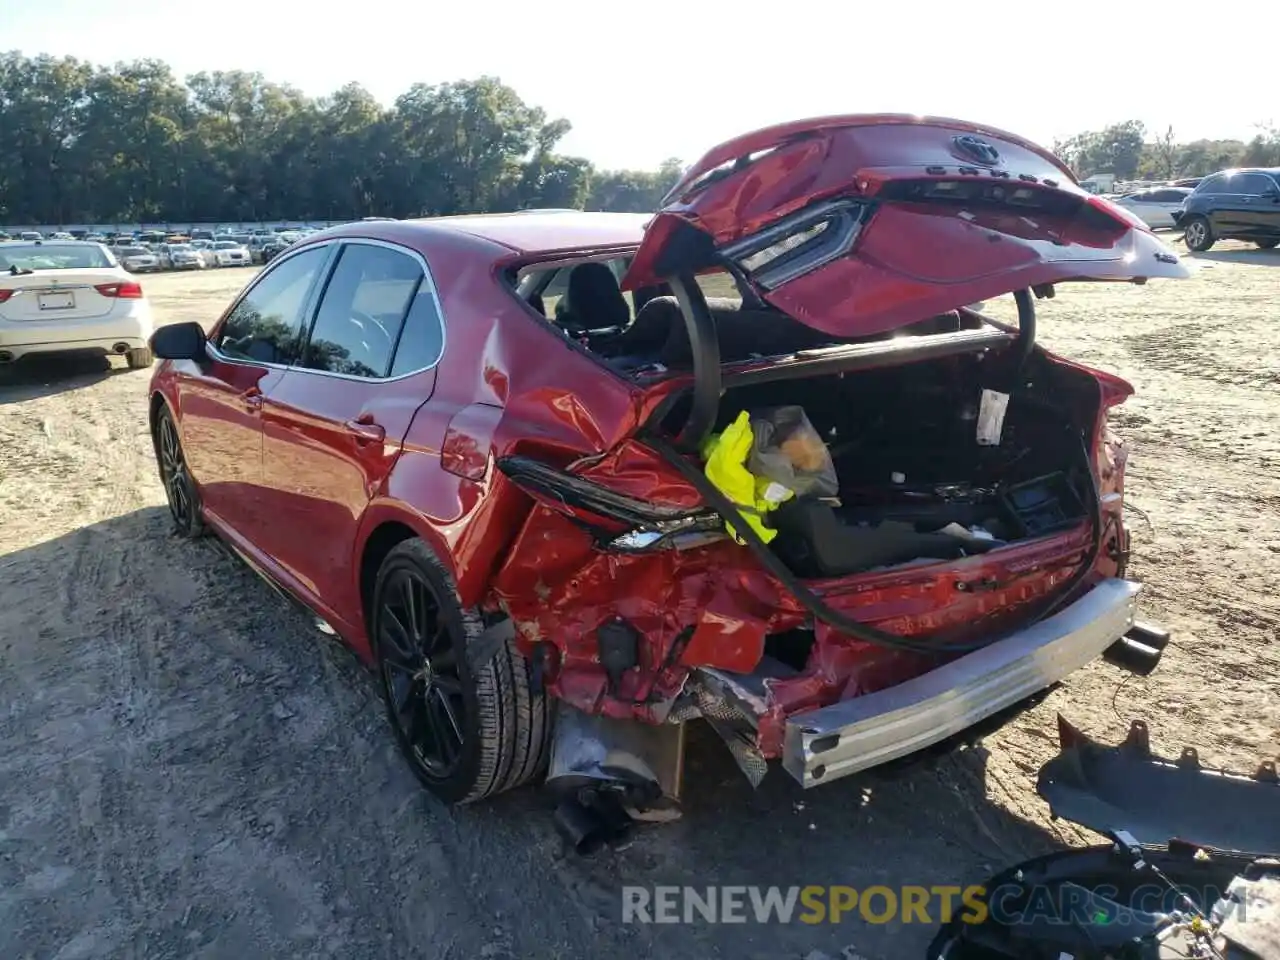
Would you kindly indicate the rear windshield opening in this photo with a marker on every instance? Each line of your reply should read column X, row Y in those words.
column 55, row 256
column 642, row 334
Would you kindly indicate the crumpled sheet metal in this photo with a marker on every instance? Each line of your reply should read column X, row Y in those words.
column 1156, row 800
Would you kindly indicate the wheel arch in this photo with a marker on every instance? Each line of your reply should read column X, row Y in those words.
column 158, row 402
column 386, row 525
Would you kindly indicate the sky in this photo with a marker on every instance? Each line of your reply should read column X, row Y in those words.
column 645, row 81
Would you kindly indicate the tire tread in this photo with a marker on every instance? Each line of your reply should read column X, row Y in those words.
column 513, row 733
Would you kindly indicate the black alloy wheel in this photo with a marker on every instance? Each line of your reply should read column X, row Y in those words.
column 420, row 673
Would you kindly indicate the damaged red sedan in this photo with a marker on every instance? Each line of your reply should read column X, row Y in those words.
column 755, row 460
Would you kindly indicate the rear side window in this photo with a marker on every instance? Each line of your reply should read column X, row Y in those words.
column 266, row 324
column 363, row 310
column 422, row 340
column 1254, row 183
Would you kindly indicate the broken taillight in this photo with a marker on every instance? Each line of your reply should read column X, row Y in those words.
column 617, row 521
column 800, row 243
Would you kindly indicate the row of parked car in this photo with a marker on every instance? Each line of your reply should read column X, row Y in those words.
column 1242, row 204
column 203, row 250
column 153, row 252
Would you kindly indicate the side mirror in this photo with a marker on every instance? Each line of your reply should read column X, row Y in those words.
column 179, row 341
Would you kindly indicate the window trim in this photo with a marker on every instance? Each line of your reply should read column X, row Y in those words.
column 312, row 307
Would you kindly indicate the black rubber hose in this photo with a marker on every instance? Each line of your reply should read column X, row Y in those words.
column 730, row 513
column 704, row 342
column 1026, row 341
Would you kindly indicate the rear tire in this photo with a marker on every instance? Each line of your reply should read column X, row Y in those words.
column 1197, row 234
column 469, row 730
column 1268, row 244
column 139, row 358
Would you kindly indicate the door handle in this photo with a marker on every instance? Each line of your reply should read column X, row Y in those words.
column 365, row 430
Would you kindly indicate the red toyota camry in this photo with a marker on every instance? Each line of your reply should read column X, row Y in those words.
column 756, row 459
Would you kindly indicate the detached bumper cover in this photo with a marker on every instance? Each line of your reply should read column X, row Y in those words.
column 866, row 731
column 1128, row 788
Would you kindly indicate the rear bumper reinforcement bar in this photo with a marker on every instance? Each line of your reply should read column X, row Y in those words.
column 835, row 741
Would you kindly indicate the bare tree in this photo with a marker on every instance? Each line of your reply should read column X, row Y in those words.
column 1166, row 153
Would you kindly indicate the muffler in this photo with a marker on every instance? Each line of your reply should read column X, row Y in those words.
column 610, row 773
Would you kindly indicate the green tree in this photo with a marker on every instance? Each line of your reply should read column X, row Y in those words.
column 132, row 143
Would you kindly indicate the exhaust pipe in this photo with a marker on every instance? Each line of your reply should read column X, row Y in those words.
column 120, row 348
column 592, row 819
column 6, row 356
column 1139, row 650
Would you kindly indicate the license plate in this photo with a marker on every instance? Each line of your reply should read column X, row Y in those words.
column 57, row 301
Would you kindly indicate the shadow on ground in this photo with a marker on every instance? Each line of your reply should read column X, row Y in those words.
column 1249, row 256
column 37, row 376
column 187, row 769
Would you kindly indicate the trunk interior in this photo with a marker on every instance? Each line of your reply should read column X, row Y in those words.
column 915, row 485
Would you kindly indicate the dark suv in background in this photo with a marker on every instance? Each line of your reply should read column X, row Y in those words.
column 1233, row 205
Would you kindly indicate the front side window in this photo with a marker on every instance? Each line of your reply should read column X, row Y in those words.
column 362, row 310
column 266, row 325
column 1211, row 186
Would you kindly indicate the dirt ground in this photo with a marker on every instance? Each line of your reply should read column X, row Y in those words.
column 187, row 769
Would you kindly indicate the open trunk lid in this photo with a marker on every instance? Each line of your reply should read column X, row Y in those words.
column 857, row 225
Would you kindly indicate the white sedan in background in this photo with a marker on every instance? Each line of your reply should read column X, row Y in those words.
column 67, row 297
column 204, row 250
column 138, row 259
column 180, row 256
column 1155, row 206
column 231, row 254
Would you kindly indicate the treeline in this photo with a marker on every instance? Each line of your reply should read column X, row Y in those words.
column 81, row 143
column 1127, row 150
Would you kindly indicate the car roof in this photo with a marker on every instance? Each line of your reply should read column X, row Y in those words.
column 523, row 232
column 1232, row 171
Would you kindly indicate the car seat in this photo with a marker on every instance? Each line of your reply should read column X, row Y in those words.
column 592, row 300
